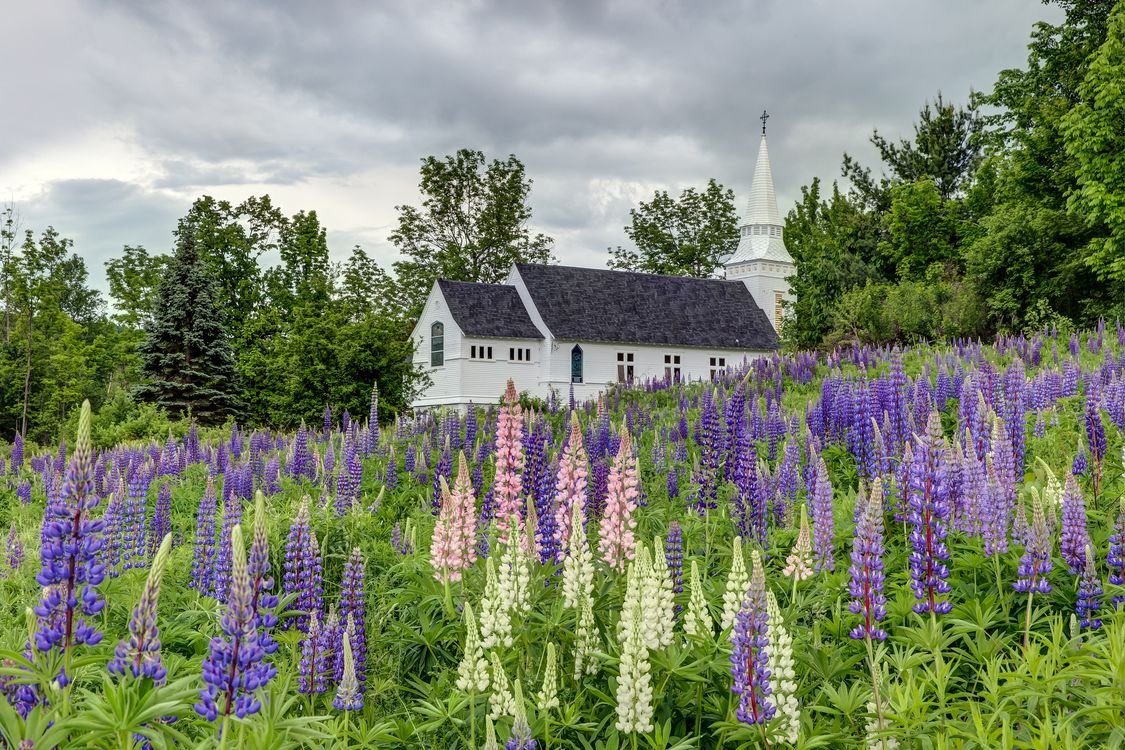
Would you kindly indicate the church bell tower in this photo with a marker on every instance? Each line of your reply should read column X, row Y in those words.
column 761, row 260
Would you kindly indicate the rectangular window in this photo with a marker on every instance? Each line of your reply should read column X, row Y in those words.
column 526, row 355
column 472, row 352
column 778, row 309
column 718, row 364
column 511, row 355
column 624, row 367
column 490, row 352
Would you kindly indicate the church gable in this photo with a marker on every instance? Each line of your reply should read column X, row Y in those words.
column 488, row 310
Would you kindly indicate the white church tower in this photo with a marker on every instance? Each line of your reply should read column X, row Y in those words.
column 761, row 260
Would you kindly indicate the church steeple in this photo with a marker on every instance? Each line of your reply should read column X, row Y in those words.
column 761, row 259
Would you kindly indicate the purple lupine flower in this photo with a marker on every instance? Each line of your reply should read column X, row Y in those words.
column 1089, row 594
column 824, row 531
column 301, row 464
column 23, row 492
column 349, row 697
column 929, row 514
column 233, row 668
column 1035, row 563
column 787, row 483
column 673, row 484
column 444, row 468
column 390, row 477
column 749, row 661
column 71, row 572
column 313, row 668
column 710, row 452
column 203, row 555
column 17, row 454
column 866, row 571
column 396, row 537
column 327, row 420
column 15, row 548
column 331, row 635
column 134, row 546
column 140, row 653
column 161, row 524
column 1081, row 465
column 302, row 569
column 262, row 601
column 232, row 517
column 353, row 607
column 674, row 554
column 1014, row 383
column 1095, row 436
column 1116, row 557
column 1074, row 538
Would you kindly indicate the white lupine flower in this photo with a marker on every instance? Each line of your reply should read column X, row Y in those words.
column 783, row 677
column 500, row 700
column 586, row 640
column 697, row 620
column 799, row 564
column 877, row 737
column 490, row 742
column 660, row 595
column 634, row 681
column 515, row 576
column 472, row 672
column 578, row 567
column 495, row 619
column 738, row 581
column 548, row 696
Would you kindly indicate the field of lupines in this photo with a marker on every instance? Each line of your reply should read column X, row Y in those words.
column 869, row 549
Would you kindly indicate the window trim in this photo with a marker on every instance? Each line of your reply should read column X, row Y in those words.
column 437, row 345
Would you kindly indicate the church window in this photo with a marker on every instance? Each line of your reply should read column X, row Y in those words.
column 437, row 345
column 672, row 368
column 480, row 352
column 778, row 309
column 624, row 367
column 718, row 364
column 576, row 364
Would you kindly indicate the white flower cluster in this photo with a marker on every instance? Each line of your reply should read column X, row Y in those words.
column 548, row 696
column 738, row 581
column 586, row 641
column 495, row 618
column 634, row 681
column 783, row 676
column 799, row 563
column 660, row 602
column 697, row 620
column 472, row 672
column 578, row 567
column 515, row 576
column 501, row 702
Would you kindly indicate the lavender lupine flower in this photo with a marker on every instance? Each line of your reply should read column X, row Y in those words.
column 1081, row 465
column 17, row 454
column 1095, row 436
column 749, row 660
column 1035, row 563
column 1014, row 409
column 1116, row 558
column 331, row 638
column 929, row 513
column 1089, row 593
column 161, row 524
column 302, row 569
column 824, row 531
column 262, row 601
column 140, row 653
column 313, row 668
column 71, row 540
column 203, row 554
column 301, row 464
column 232, row 517
column 349, row 697
column 15, row 547
column 674, row 555
column 710, row 452
column 867, row 577
column 23, row 492
column 1074, row 538
column 353, row 607
column 233, row 669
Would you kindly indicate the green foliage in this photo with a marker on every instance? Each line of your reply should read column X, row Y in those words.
column 688, row 236
column 472, row 226
column 186, row 357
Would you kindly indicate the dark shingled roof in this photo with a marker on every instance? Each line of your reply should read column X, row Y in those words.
column 488, row 310
column 593, row 304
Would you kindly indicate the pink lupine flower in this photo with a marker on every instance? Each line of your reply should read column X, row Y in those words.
column 508, row 487
column 570, row 489
column 617, row 541
column 453, row 547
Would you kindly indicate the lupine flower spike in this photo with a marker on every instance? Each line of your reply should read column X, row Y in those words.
column 472, row 672
column 634, row 681
column 798, row 564
column 348, row 695
column 750, row 660
column 738, row 580
column 783, row 675
column 140, row 653
column 697, row 621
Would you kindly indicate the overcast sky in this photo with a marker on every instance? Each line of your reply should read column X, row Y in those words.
column 116, row 115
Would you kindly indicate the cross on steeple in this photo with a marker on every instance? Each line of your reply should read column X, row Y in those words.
column 765, row 116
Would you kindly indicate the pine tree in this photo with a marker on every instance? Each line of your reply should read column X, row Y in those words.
column 186, row 357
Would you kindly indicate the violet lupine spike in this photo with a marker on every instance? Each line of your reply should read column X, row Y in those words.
column 867, row 576
column 1035, row 563
column 71, row 572
column 17, row 454
column 353, row 608
column 749, row 661
column 302, row 569
column 313, row 668
column 15, row 548
column 1014, row 385
column 301, row 464
column 161, row 524
column 1090, row 593
column 1074, row 538
column 262, row 601
column 929, row 516
column 140, row 653
column 233, row 669
column 1116, row 556
column 710, row 453
column 674, row 555
column 824, row 531
column 232, row 517
column 443, row 470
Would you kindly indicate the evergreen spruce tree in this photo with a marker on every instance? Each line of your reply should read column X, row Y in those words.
column 186, row 357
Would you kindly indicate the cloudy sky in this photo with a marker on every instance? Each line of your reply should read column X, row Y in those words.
column 117, row 114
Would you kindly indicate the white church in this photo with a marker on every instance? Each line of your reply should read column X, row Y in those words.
column 551, row 327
